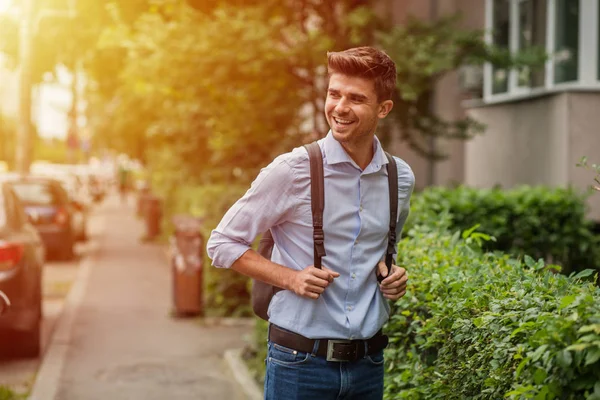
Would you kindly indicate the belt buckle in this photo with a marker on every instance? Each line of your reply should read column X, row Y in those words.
column 330, row 344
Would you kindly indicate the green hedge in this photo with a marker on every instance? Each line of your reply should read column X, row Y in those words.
column 541, row 222
column 486, row 326
column 226, row 292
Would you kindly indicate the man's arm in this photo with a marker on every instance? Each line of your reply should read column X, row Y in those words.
column 270, row 200
column 309, row 282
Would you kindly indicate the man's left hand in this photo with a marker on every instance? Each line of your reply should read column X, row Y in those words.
column 394, row 286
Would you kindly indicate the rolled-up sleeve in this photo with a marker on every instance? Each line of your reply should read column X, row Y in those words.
column 269, row 202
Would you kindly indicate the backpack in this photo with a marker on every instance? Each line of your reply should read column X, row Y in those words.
column 262, row 292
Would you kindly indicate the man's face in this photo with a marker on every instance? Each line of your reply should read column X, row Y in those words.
column 352, row 109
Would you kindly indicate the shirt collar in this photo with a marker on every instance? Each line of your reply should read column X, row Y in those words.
column 335, row 154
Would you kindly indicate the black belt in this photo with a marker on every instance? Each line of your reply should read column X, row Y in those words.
column 332, row 349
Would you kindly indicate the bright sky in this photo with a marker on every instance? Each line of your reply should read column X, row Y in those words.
column 52, row 100
column 4, row 5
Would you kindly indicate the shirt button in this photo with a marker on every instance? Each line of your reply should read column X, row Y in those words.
column 353, row 276
column 360, row 209
column 356, row 241
column 349, row 308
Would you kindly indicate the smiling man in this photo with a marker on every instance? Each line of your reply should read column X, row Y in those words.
column 341, row 304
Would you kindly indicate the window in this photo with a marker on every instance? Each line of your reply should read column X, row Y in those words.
column 566, row 45
column 532, row 33
column 568, row 30
column 500, row 33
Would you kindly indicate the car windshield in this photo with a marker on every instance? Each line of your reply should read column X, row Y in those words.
column 37, row 193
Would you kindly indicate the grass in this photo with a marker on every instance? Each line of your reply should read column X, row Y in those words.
column 7, row 393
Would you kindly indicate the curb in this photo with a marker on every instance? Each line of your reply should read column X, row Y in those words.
column 243, row 378
column 51, row 368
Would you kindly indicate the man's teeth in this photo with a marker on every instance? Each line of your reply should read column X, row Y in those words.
column 342, row 121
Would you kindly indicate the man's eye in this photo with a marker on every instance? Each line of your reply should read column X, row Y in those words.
column 334, row 95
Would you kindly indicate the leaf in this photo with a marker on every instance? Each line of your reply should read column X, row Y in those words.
column 578, row 346
column 584, row 274
column 539, row 376
column 590, row 328
column 567, row 301
column 522, row 365
column 466, row 234
column 530, row 262
column 592, row 356
column 564, row 358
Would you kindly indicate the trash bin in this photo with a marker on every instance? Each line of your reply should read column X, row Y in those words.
column 187, row 263
column 153, row 212
column 143, row 195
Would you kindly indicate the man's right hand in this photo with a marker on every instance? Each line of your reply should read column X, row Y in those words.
column 311, row 281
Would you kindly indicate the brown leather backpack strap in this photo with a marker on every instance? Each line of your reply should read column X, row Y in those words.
column 392, row 171
column 317, row 191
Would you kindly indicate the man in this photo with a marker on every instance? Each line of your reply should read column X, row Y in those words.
column 340, row 308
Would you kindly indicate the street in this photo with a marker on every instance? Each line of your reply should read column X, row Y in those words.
column 108, row 330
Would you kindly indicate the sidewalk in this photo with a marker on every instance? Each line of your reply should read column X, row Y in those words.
column 121, row 342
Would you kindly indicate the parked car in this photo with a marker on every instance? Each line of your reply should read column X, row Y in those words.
column 74, row 188
column 51, row 211
column 21, row 261
column 4, row 302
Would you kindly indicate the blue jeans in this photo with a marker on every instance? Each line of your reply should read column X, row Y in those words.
column 302, row 376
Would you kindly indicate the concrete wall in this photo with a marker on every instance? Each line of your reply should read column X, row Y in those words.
column 538, row 142
column 584, row 140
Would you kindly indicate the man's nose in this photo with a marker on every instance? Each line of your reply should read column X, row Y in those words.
column 342, row 106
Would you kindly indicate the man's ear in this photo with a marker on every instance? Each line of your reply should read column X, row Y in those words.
column 384, row 108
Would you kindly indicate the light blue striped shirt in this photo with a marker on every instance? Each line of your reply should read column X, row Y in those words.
column 355, row 222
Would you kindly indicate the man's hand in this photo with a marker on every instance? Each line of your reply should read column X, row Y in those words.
column 394, row 286
column 311, row 281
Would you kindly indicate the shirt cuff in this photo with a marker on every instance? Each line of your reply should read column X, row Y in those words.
column 225, row 254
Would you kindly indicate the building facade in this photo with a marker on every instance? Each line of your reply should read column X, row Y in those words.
column 540, row 121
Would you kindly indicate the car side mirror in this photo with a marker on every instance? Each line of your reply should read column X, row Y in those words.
column 4, row 302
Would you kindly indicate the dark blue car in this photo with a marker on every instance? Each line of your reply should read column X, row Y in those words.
column 21, row 259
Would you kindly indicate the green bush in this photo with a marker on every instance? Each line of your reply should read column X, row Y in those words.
column 226, row 291
column 487, row 326
column 538, row 221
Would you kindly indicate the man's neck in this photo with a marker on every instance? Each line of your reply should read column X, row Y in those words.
column 361, row 152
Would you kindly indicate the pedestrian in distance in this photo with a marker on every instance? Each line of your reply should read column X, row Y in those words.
column 325, row 339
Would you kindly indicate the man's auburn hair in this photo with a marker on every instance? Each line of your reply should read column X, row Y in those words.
column 366, row 62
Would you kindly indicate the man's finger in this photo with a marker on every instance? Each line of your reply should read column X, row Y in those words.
column 331, row 272
column 383, row 270
column 324, row 273
column 315, row 289
column 318, row 281
column 393, row 281
column 397, row 274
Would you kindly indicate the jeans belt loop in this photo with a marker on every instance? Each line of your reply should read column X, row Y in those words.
column 315, row 349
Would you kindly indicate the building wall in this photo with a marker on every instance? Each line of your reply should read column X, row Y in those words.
column 537, row 142
column 584, row 140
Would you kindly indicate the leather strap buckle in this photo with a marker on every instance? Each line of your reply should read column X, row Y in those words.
column 341, row 350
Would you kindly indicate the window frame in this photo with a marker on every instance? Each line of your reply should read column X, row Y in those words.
column 587, row 73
